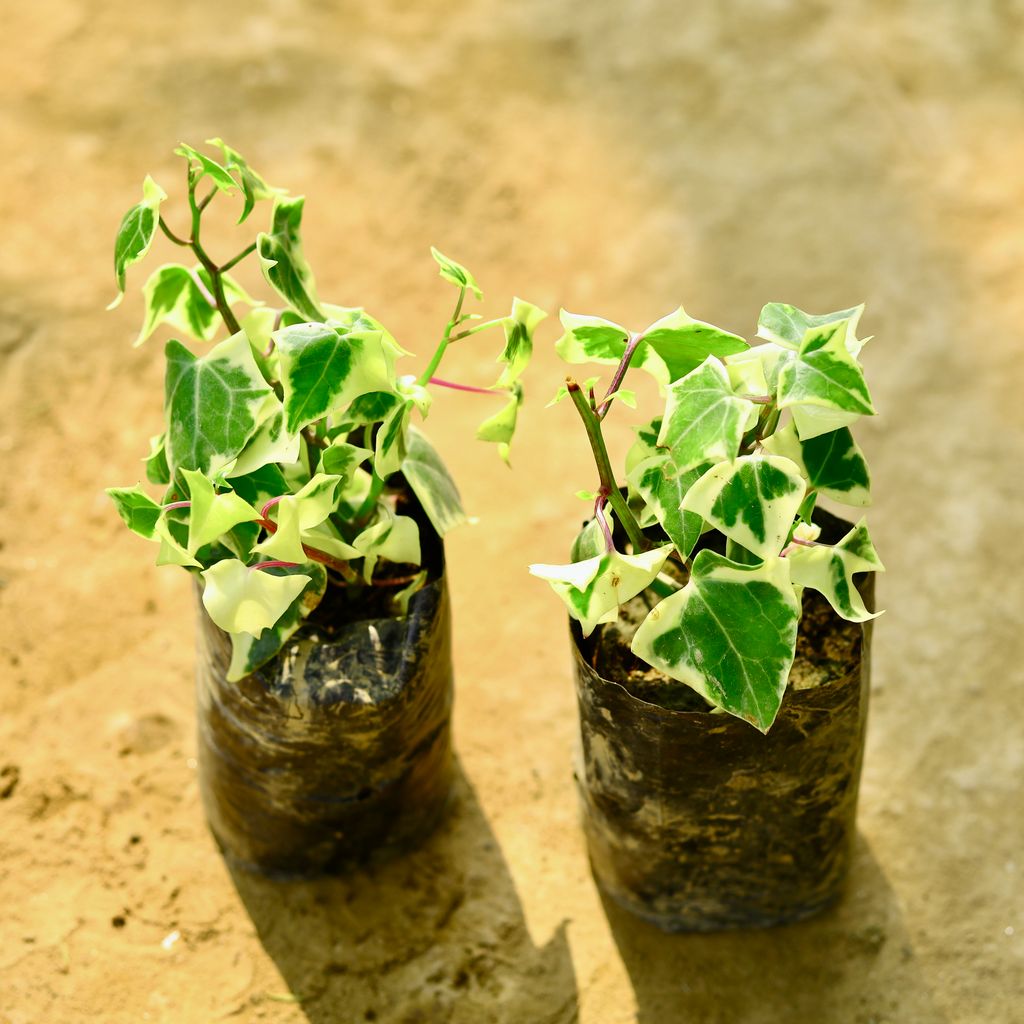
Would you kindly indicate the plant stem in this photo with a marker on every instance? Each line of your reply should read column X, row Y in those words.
column 216, row 284
column 479, row 327
column 274, row 565
column 599, row 515
column 438, row 355
column 171, row 235
column 620, row 373
column 592, row 424
column 238, row 259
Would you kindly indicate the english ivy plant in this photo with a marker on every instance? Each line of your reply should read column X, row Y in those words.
column 287, row 421
column 748, row 439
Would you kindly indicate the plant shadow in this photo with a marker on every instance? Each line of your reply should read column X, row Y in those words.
column 852, row 964
column 435, row 936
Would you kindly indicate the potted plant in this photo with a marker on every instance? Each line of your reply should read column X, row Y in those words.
column 719, row 618
column 310, row 510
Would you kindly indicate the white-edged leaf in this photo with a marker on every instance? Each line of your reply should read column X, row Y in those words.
column 282, row 260
column 832, row 463
column 431, row 482
column 243, row 600
column 396, row 539
column 500, row 427
column 271, row 442
column 519, row 326
column 138, row 510
column 662, row 488
column 254, row 188
column 208, row 168
column 136, row 233
column 684, row 343
column 390, row 444
column 786, row 325
column 456, row 273
column 211, row 514
column 296, row 515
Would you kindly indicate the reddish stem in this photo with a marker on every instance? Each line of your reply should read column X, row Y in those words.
column 620, row 373
column 602, row 500
column 460, row 387
column 274, row 565
column 177, row 504
column 270, row 504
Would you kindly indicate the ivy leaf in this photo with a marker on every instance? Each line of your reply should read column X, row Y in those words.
column 136, row 233
column 396, row 539
column 594, row 588
column 172, row 550
column 788, row 326
column 270, row 443
column 832, row 463
column 756, row 371
column 663, row 489
column 170, row 295
column 703, row 419
column 138, row 510
column 684, row 343
column 431, row 482
column 456, row 273
column 500, row 427
column 730, row 634
column 211, row 403
column 323, row 370
column 411, row 391
column 260, row 486
column 355, row 318
column 563, row 391
column 157, row 470
column 519, row 327
column 253, row 186
column 645, row 446
column 212, row 514
column 218, row 174
column 298, row 514
column 590, row 542
column 244, row 600
column 591, row 339
column 248, row 653
column 752, row 500
column 369, row 408
column 341, row 459
column 829, row 569
column 824, row 385
column 282, row 261
column 389, row 446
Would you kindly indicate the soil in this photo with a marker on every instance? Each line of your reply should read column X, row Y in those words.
column 608, row 160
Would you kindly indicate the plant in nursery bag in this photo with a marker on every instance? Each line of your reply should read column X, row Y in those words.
column 716, row 538
column 297, row 487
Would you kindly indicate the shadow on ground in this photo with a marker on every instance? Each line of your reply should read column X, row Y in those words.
column 435, row 936
column 858, row 953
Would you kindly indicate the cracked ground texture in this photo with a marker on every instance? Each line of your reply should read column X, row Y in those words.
column 609, row 158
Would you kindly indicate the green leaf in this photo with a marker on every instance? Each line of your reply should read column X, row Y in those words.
column 212, row 514
column 456, row 273
column 519, row 328
column 431, row 482
column 645, row 446
column 788, row 326
column 829, row 569
column 832, row 463
column 248, row 653
column 590, row 339
column 396, row 539
column 254, row 188
column 260, row 486
column 341, row 459
column 500, row 427
column 824, row 385
column 138, row 510
column 730, row 634
column 323, row 370
column 282, row 261
column 244, row 600
column 594, row 589
column 296, row 515
column 390, row 444
column 663, row 489
column 684, row 343
column 369, row 408
column 136, row 233
column 157, row 470
column 218, row 174
column 752, row 500
column 590, row 542
column 756, row 371
column 172, row 550
column 211, row 404
column 270, row 443
column 703, row 420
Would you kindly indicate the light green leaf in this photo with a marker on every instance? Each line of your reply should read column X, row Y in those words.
column 590, row 339
column 397, row 539
column 519, row 327
column 270, row 443
column 260, row 486
column 400, row 601
column 212, row 514
column 663, row 489
column 590, row 542
column 764, row 362
column 752, row 500
column 211, row 403
column 829, row 569
column 645, row 446
column 594, row 588
column 730, row 634
column 138, row 510
column 832, row 463
column 157, row 470
column 136, row 233
column 370, row 408
column 172, row 551
column 296, row 515
column 355, row 318
column 323, row 370
column 456, row 273
column 282, row 261
column 788, row 326
column 341, row 459
column 416, row 393
column 500, row 427
column 431, row 482
column 684, row 343
column 253, row 186
column 218, row 174
column 244, row 600
column 563, row 391
column 247, row 652
column 703, row 419
column 390, row 444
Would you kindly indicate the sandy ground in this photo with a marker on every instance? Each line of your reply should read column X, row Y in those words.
column 611, row 158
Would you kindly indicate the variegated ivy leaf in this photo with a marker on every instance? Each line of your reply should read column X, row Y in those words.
column 157, row 470
column 248, row 653
column 271, row 442
column 355, row 318
column 500, row 427
column 829, row 569
column 591, row 339
column 663, row 489
column 217, row 173
column 298, row 514
column 519, row 327
column 244, row 600
column 752, row 500
column 370, row 408
column 645, row 446
column 684, row 343
column 253, row 186
column 324, row 369
column 260, row 486
column 761, row 362
column 832, row 463
column 282, row 261
column 212, row 403
column 788, row 326
column 456, row 273
column 172, row 550
column 824, row 385
column 730, row 634
column 390, row 444
column 341, row 459
column 703, row 419
column 431, row 482
column 396, row 539
column 416, row 393
column 136, row 233
column 212, row 514
column 138, row 510
column 594, row 588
